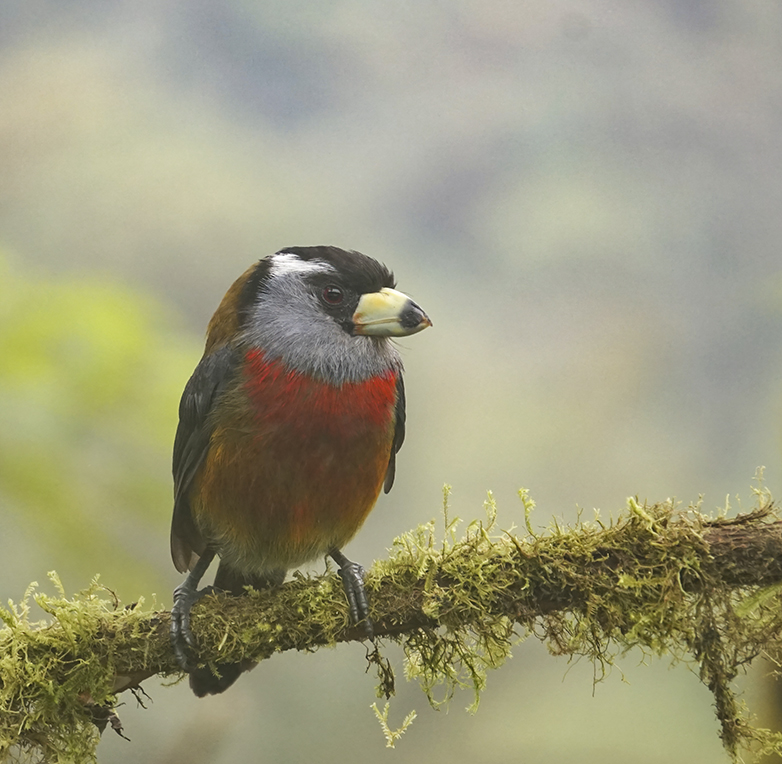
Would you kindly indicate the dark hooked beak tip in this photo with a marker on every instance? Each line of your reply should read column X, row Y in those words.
column 412, row 317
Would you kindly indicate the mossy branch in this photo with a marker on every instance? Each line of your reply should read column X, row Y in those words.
column 663, row 580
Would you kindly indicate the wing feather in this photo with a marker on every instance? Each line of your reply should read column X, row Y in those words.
column 399, row 432
column 191, row 444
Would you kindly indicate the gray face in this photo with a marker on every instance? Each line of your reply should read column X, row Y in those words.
column 291, row 321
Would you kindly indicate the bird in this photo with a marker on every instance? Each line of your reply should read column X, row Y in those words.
column 288, row 430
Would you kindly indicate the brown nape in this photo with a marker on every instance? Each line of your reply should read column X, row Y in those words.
column 224, row 324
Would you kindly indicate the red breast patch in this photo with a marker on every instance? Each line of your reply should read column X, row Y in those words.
column 289, row 396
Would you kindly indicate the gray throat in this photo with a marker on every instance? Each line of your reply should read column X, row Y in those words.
column 288, row 325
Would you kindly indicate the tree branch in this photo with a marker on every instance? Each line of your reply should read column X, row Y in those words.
column 667, row 582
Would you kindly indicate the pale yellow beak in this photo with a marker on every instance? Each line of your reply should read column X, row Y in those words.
column 388, row 313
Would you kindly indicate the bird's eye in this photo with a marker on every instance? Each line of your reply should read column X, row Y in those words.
column 332, row 295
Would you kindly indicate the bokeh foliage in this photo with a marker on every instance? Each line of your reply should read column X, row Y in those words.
column 90, row 375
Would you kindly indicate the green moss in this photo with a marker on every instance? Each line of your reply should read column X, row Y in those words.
column 457, row 605
column 644, row 581
column 48, row 683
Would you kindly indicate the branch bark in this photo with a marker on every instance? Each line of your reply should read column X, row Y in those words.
column 657, row 579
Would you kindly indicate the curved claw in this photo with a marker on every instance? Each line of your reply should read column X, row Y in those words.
column 185, row 596
column 352, row 575
column 181, row 636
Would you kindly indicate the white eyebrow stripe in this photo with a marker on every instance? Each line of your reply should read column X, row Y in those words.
column 287, row 262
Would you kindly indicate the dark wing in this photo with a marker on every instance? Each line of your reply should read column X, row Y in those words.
column 399, row 432
column 210, row 379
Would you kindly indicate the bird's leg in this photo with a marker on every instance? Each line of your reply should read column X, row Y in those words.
column 352, row 575
column 185, row 596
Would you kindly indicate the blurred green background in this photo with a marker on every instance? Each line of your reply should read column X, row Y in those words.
column 585, row 197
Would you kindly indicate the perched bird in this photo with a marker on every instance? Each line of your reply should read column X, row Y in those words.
column 288, row 429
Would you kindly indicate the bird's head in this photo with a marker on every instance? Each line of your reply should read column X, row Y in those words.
column 322, row 311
